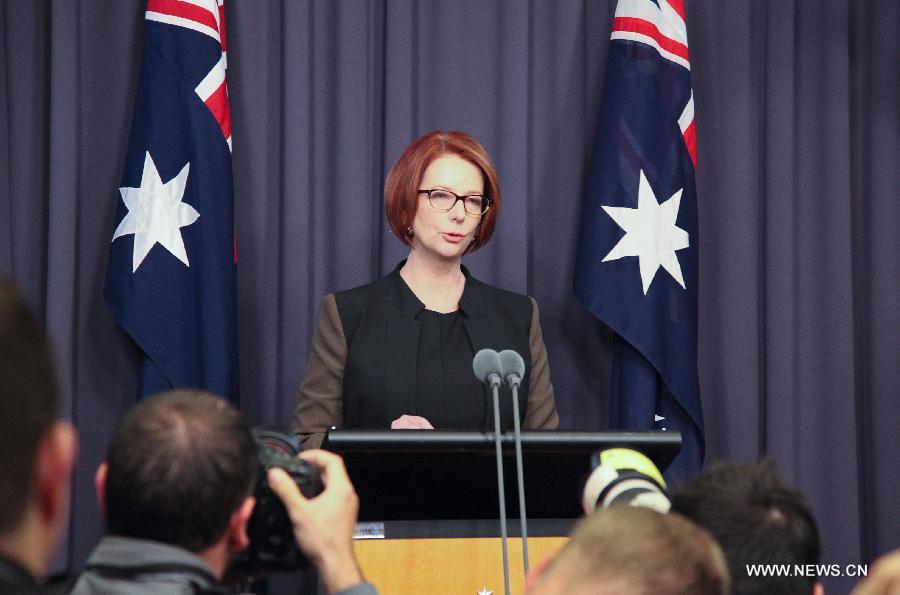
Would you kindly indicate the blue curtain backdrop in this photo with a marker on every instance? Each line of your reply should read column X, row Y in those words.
column 797, row 125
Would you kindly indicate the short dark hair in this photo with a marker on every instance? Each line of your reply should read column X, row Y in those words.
column 179, row 465
column 757, row 519
column 401, row 188
column 637, row 550
column 28, row 401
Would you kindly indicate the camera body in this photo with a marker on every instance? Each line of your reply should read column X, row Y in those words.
column 273, row 549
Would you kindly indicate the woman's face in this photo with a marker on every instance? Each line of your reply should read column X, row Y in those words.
column 446, row 235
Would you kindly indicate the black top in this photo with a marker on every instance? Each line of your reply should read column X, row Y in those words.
column 397, row 348
column 447, row 392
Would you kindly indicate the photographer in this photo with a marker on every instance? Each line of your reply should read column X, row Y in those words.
column 37, row 452
column 758, row 519
column 176, row 495
column 628, row 543
column 630, row 549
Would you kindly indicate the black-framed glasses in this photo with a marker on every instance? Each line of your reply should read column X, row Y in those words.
column 444, row 200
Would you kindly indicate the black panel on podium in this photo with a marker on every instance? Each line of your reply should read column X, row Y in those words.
column 411, row 475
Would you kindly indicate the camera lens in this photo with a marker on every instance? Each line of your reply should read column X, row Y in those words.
column 624, row 476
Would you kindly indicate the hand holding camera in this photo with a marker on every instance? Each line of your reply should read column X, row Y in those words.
column 324, row 524
column 306, row 511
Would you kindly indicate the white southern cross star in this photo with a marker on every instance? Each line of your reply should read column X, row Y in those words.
column 650, row 234
column 156, row 214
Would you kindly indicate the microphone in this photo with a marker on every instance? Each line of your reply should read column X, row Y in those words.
column 512, row 368
column 486, row 366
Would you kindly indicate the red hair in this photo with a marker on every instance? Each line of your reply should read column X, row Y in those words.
column 401, row 188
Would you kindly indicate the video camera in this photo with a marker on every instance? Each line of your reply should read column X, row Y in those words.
column 273, row 549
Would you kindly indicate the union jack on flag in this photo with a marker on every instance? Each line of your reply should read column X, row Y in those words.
column 636, row 268
column 171, row 277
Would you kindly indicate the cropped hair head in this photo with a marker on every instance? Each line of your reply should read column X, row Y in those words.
column 179, row 464
column 757, row 518
column 401, row 188
column 28, row 401
column 635, row 550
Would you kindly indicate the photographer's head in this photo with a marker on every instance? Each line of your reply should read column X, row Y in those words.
column 180, row 469
column 757, row 518
column 176, row 495
column 635, row 550
column 37, row 451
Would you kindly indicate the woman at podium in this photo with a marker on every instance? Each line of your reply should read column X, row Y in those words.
column 397, row 353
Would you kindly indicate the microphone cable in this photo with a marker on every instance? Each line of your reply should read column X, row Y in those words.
column 486, row 366
column 512, row 368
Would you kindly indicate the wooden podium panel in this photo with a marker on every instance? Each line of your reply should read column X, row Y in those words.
column 449, row 566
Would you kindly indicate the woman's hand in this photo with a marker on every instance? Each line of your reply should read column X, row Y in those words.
column 411, row 422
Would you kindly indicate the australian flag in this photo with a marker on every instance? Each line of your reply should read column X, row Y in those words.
column 636, row 268
column 171, row 278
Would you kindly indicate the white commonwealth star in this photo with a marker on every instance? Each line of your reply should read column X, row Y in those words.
column 650, row 234
column 156, row 214
column 484, row 591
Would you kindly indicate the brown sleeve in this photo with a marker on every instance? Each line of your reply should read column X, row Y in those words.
column 541, row 409
column 320, row 406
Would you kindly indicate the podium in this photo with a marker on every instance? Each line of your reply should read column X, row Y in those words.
column 428, row 501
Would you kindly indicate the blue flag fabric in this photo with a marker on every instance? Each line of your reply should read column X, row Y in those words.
column 636, row 268
column 171, row 276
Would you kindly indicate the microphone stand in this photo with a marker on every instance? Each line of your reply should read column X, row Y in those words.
column 520, row 475
column 495, row 389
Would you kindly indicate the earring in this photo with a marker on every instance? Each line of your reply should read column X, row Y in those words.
column 409, row 231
